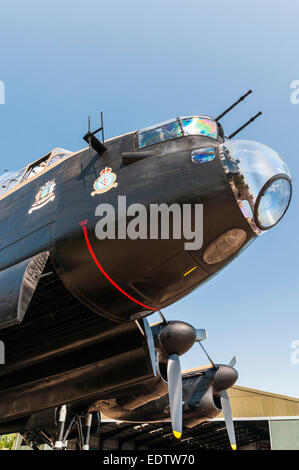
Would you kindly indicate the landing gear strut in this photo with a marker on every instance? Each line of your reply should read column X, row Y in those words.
column 59, row 444
column 83, row 431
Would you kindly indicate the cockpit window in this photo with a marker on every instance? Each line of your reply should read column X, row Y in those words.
column 177, row 128
column 36, row 168
column 48, row 160
column 9, row 180
column 160, row 133
column 199, row 126
column 57, row 155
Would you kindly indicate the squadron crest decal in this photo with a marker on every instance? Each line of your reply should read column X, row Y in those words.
column 44, row 195
column 105, row 182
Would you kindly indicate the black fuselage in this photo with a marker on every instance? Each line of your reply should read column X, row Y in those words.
column 152, row 271
column 57, row 330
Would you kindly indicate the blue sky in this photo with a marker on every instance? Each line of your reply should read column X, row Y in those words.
column 144, row 62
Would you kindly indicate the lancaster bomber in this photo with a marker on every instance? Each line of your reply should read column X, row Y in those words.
column 73, row 307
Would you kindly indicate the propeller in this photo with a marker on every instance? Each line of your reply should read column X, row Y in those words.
column 174, row 378
column 224, row 399
column 175, row 338
column 233, row 362
column 228, row 418
column 227, row 411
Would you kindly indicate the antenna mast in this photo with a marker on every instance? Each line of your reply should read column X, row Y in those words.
column 92, row 141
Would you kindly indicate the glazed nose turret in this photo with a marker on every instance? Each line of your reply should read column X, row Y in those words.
column 260, row 180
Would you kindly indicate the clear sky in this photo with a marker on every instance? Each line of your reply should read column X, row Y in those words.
column 142, row 62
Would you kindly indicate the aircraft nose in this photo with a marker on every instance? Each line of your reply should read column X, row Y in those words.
column 260, row 180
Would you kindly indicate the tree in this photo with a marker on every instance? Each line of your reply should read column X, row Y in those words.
column 7, row 441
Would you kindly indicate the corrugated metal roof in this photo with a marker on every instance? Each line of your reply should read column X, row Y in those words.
column 248, row 403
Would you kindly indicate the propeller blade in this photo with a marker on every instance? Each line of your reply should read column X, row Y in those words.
column 233, row 361
column 174, row 378
column 228, row 417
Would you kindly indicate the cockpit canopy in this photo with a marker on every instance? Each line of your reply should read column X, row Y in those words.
column 10, row 179
column 179, row 127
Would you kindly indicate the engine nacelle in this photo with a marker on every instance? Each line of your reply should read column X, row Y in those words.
column 201, row 399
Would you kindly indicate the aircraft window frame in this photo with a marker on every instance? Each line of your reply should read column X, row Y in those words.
column 48, row 158
column 179, row 120
column 207, row 118
column 37, row 164
column 7, row 177
column 59, row 154
column 163, row 129
column 22, row 176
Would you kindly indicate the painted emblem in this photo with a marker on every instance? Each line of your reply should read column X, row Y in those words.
column 44, row 195
column 105, row 182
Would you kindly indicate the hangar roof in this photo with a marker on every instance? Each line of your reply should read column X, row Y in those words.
column 251, row 403
column 251, row 410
